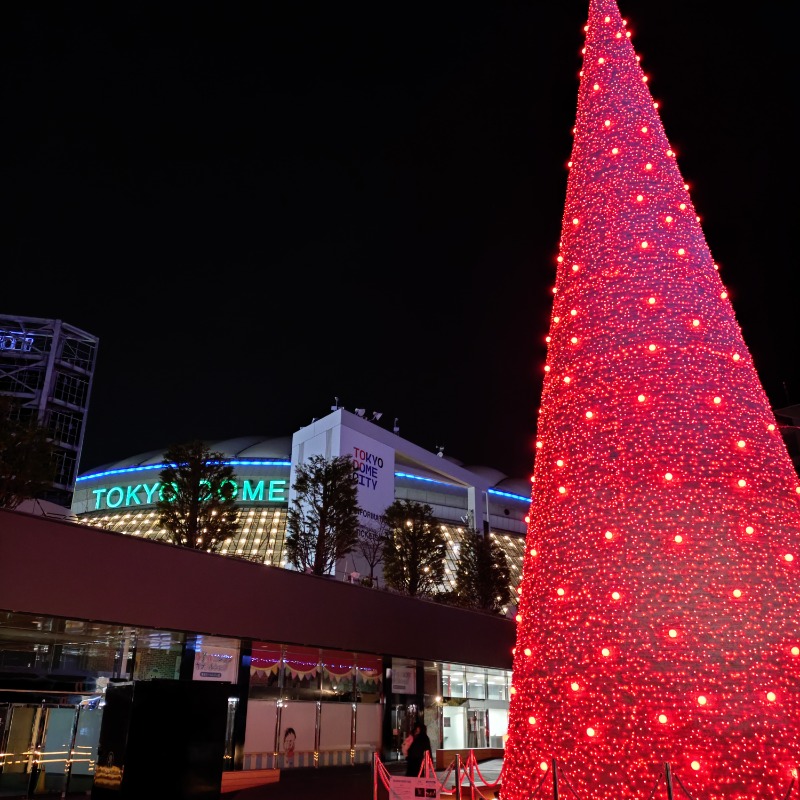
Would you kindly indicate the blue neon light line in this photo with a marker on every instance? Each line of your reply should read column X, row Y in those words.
column 254, row 463
column 130, row 470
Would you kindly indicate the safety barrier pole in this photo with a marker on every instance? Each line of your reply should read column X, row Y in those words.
column 668, row 776
column 458, row 776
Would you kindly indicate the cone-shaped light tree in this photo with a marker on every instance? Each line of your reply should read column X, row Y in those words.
column 659, row 609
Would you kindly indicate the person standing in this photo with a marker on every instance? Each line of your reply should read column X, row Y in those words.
column 417, row 749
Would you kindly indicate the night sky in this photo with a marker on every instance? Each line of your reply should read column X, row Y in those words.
column 261, row 207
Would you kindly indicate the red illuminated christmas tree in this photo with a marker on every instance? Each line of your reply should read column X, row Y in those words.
column 659, row 611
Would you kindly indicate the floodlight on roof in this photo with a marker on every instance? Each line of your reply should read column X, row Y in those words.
column 360, row 411
column 376, row 415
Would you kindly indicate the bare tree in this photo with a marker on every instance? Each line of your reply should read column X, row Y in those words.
column 322, row 524
column 196, row 497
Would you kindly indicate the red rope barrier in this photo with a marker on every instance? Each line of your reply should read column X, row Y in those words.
column 472, row 763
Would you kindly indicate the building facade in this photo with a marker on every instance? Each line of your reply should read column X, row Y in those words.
column 122, row 496
column 83, row 608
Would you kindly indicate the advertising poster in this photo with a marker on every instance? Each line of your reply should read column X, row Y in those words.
column 413, row 788
column 404, row 676
column 216, row 659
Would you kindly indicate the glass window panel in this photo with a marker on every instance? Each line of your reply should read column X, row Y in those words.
column 338, row 672
column 453, row 681
column 476, row 684
column 369, row 678
column 301, row 673
column 265, row 670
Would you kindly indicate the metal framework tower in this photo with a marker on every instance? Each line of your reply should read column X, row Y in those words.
column 48, row 366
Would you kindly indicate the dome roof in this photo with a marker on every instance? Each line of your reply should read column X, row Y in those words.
column 279, row 447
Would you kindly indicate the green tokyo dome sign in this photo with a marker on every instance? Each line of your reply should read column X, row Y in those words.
column 143, row 494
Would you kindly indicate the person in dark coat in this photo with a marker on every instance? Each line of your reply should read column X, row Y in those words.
column 417, row 750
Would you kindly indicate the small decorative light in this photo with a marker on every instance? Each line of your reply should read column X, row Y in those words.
column 560, row 592
column 648, row 166
column 682, row 206
column 596, row 86
column 749, row 529
column 741, row 443
column 590, row 731
column 678, row 538
column 644, row 245
column 641, row 398
column 724, row 295
column 606, row 652
column 695, row 765
column 717, row 401
column 651, row 347
column 573, row 313
column 673, row 634
column 574, row 340
column 556, row 320
column 518, row 618
column 736, row 356
column 567, row 379
column 539, row 444
column 527, row 651
column 574, row 686
column 534, row 553
column 668, row 219
column 547, row 368
column 589, row 414
column 639, row 198
column 796, row 651
column 789, row 557
column 543, row 766
column 741, row 483
column 614, row 151
column 609, row 535
column 681, row 251
column 615, row 595
column 562, row 490
column 771, row 697
column 701, row 700
column 575, row 267
column 601, row 61
column 695, row 323
column 651, row 301
column 607, row 123
column 668, row 476
column 644, row 128
column 770, row 427
column 737, row 592
column 531, row 720
column 662, row 718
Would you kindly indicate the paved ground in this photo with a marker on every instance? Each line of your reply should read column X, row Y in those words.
column 346, row 783
column 355, row 783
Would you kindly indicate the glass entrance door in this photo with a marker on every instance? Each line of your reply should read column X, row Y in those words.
column 47, row 748
column 476, row 728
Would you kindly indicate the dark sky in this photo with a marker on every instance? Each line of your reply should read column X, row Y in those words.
column 259, row 207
